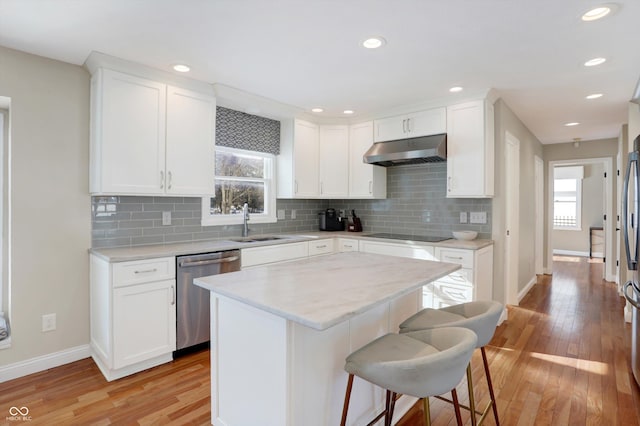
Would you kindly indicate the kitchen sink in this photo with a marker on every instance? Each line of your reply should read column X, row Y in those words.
column 257, row 239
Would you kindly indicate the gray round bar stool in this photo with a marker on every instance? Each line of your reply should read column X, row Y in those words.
column 421, row 364
column 482, row 318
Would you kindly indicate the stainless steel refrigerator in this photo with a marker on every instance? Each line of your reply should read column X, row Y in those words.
column 631, row 232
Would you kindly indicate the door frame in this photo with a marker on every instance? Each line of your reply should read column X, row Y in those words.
column 512, row 219
column 607, row 162
column 538, row 168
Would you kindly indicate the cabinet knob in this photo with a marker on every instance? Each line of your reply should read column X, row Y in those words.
column 170, row 180
column 161, row 179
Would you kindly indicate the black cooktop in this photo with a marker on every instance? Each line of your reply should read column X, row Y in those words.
column 424, row 238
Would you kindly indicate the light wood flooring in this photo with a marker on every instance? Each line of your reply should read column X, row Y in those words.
column 562, row 358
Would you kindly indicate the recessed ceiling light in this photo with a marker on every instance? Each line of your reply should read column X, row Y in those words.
column 594, row 96
column 317, row 110
column 572, row 124
column 347, row 111
column 455, row 89
column 374, row 42
column 595, row 61
column 597, row 13
column 181, row 68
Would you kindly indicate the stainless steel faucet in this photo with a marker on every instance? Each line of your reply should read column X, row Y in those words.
column 245, row 215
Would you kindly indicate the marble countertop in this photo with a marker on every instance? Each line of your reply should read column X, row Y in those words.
column 322, row 291
column 124, row 254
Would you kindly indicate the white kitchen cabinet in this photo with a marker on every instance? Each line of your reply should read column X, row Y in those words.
column 412, row 251
column 298, row 165
column 254, row 256
column 365, row 180
column 149, row 138
column 470, row 150
column 190, row 142
column 133, row 314
column 346, row 245
column 420, row 123
column 320, row 247
column 334, row 161
column 474, row 281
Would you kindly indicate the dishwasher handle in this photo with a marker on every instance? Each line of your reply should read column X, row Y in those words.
column 184, row 264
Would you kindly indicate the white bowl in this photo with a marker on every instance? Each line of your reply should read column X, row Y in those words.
column 465, row 235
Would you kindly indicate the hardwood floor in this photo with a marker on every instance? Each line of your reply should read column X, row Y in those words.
column 561, row 359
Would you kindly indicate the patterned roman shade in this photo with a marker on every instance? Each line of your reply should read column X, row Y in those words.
column 235, row 129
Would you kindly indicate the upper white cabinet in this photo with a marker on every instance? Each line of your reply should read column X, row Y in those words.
column 150, row 138
column 334, row 161
column 421, row 123
column 470, row 150
column 365, row 180
column 298, row 165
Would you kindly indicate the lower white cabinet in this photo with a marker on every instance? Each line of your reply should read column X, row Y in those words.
column 412, row 251
column 319, row 247
column 473, row 281
column 346, row 244
column 254, row 256
column 133, row 314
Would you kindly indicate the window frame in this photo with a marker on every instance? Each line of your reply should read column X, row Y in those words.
column 578, row 195
column 269, row 182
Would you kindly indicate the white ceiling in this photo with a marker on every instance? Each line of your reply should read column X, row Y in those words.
column 308, row 53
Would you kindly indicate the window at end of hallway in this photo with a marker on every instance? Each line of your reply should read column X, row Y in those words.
column 567, row 198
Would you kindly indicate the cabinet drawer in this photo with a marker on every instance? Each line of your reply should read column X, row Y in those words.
column 143, row 271
column 400, row 250
column 462, row 276
column 345, row 245
column 461, row 257
column 321, row 247
column 447, row 294
column 271, row 254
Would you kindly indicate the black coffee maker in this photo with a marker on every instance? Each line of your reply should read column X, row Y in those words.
column 330, row 221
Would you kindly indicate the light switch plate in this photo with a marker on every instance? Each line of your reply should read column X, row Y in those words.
column 293, row 214
column 166, row 218
column 280, row 214
column 463, row 217
column 478, row 217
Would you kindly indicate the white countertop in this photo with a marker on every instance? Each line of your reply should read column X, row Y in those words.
column 322, row 291
column 124, row 254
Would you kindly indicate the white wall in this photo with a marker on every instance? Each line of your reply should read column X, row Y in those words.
column 50, row 204
column 530, row 146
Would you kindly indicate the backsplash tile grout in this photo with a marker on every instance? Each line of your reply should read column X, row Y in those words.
column 416, row 205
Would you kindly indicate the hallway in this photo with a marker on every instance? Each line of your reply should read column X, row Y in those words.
column 562, row 358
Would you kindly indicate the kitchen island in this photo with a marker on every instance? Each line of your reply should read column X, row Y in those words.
column 280, row 334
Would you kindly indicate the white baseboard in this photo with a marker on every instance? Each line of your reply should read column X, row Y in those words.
column 503, row 316
column 526, row 289
column 44, row 362
column 571, row 253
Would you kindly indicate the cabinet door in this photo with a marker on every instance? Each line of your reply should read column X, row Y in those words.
column 470, row 150
column 429, row 122
column 129, row 135
column 144, row 322
column 190, row 142
column 388, row 129
column 334, row 161
column 305, row 159
column 365, row 180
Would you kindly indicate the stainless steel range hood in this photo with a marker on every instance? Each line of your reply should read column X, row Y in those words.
column 425, row 149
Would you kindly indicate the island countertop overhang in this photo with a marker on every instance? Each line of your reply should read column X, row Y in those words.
column 322, row 291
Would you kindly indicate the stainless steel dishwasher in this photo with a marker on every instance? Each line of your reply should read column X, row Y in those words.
column 192, row 307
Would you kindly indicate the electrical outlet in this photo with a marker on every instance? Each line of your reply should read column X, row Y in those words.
column 478, row 217
column 48, row 322
column 463, row 217
column 293, row 214
column 166, row 218
column 341, row 212
column 280, row 214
